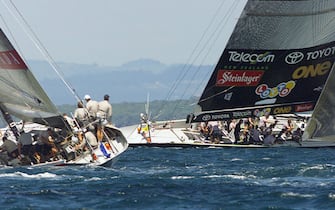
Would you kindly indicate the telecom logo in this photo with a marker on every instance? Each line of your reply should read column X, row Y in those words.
column 252, row 58
column 294, row 58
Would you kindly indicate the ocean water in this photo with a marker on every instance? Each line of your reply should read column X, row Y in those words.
column 176, row 178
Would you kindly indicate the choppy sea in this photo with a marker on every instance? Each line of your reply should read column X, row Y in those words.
column 176, row 178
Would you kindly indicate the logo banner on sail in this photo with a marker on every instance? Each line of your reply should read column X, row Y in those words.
column 221, row 115
column 11, row 60
column 238, row 78
column 248, row 78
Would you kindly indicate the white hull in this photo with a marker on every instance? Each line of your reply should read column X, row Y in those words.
column 161, row 136
column 105, row 154
column 182, row 137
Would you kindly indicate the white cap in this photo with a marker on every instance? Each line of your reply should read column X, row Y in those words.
column 86, row 97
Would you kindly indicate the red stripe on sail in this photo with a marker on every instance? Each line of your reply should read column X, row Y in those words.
column 11, row 60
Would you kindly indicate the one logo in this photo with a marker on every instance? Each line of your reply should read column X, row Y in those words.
column 282, row 110
column 319, row 69
column 294, row 58
column 206, row 117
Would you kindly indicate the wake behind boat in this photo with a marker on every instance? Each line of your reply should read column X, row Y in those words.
column 278, row 60
column 46, row 137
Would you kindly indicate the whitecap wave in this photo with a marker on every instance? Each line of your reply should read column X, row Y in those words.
column 316, row 167
column 213, row 176
column 236, row 159
column 182, row 177
column 292, row 194
column 93, row 179
column 45, row 175
column 232, row 176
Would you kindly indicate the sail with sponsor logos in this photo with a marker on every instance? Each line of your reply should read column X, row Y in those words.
column 276, row 61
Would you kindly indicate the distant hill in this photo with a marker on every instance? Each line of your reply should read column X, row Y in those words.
column 128, row 113
column 131, row 82
column 173, row 89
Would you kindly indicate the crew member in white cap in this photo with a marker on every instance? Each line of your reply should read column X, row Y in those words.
column 91, row 106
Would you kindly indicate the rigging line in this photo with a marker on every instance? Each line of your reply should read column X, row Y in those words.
column 183, row 72
column 42, row 49
column 9, row 76
column 219, row 93
column 222, row 23
column 182, row 76
column 204, row 78
column 12, row 84
column 196, row 47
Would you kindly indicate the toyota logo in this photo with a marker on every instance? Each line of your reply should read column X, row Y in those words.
column 206, row 117
column 294, row 58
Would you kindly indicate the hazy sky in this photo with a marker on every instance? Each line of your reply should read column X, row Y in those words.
column 113, row 32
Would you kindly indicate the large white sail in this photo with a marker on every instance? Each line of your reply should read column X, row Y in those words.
column 322, row 123
column 21, row 95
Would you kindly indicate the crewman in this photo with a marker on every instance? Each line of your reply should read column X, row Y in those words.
column 105, row 109
column 104, row 114
column 92, row 106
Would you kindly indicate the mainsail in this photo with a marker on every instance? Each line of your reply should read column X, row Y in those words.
column 21, row 95
column 276, row 61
